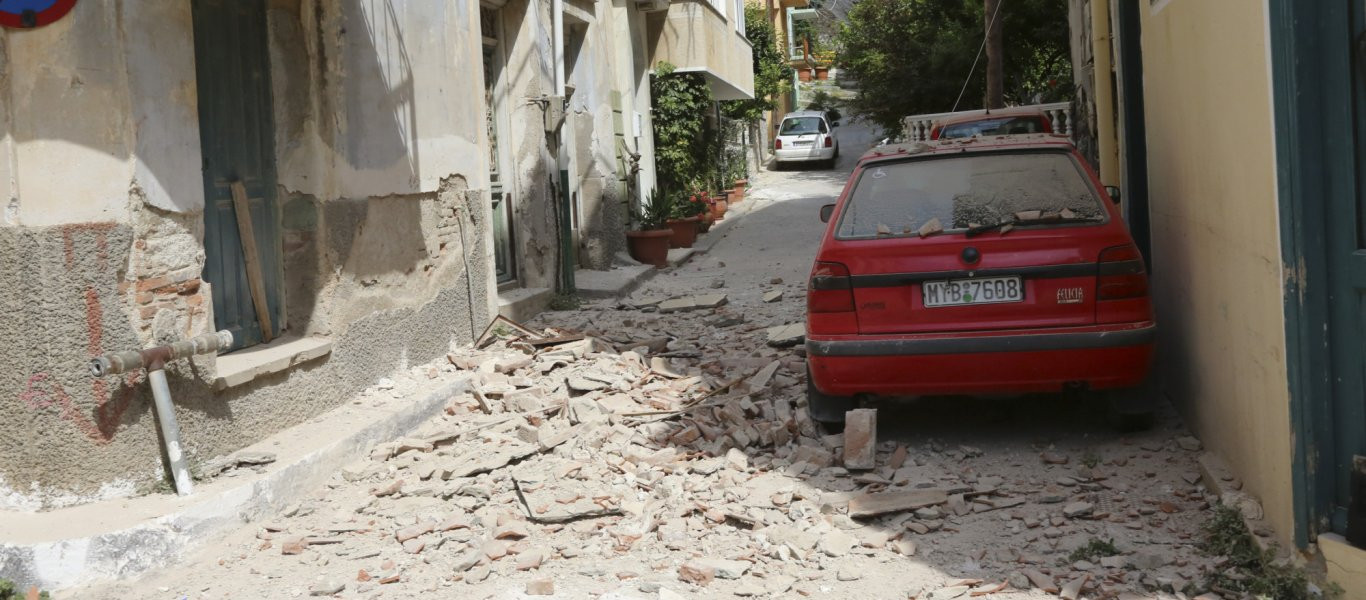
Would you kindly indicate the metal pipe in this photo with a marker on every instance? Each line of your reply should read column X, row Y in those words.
column 1106, row 139
column 170, row 430
column 115, row 363
column 154, row 360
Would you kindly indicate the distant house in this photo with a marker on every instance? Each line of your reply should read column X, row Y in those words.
column 1235, row 131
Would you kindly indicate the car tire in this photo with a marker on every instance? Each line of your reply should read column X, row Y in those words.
column 1132, row 409
column 825, row 408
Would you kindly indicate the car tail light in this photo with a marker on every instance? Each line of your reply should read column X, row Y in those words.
column 829, row 142
column 778, row 143
column 1121, row 274
column 830, row 290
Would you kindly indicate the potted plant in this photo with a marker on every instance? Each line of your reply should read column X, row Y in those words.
column 683, row 221
column 719, row 205
column 649, row 241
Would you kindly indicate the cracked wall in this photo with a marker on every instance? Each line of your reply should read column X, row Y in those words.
column 383, row 212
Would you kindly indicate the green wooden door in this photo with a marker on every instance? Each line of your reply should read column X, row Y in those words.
column 1345, row 82
column 236, row 133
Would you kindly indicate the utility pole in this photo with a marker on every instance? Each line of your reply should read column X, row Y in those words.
column 995, row 52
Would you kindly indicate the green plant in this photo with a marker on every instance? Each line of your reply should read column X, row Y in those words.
column 565, row 302
column 1094, row 549
column 654, row 213
column 682, row 102
column 9, row 591
column 887, row 44
column 683, row 208
column 1251, row 571
column 1090, row 459
column 772, row 74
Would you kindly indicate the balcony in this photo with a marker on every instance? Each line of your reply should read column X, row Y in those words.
column 707, row 37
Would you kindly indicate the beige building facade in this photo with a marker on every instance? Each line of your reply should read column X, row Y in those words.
column 409, row 170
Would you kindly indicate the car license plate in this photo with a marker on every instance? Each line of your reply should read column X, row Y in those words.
column 802, row 142
column 985, row 290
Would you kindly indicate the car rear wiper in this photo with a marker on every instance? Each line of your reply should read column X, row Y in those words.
column 1030, row 217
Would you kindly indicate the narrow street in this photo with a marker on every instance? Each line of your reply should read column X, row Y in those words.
column 668, row 455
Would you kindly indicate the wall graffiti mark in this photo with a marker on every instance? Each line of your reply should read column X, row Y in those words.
column 44, row 391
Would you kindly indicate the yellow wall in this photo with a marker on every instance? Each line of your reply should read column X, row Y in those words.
column 1215, row 238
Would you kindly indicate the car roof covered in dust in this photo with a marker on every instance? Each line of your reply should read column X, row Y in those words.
column 1037, row 141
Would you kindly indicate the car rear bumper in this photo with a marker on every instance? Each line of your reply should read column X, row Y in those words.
column 803, row 154
column 1045, row 360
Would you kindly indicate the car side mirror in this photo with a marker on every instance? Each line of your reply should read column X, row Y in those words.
column 826, row 212
column 1114, row 193
column 835, row 124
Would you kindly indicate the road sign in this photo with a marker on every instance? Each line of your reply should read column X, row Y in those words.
column 27, row 14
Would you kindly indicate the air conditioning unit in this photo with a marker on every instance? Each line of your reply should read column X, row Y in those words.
column 652, row 5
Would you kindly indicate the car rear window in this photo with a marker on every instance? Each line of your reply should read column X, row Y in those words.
column 801, row 125
column 988, row 127
column 962, row 191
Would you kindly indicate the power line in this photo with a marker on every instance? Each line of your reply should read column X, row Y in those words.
column 986, row 35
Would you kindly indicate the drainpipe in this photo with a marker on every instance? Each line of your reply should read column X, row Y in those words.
column 1106, row 140
column 561, row 153
column 154, row 361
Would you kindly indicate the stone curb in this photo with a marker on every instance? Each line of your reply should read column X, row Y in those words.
column 151, row 543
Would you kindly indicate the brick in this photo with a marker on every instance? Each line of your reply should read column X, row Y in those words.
column 860, row 439
column 148, row 284
column 696, row 573
column 295, row 545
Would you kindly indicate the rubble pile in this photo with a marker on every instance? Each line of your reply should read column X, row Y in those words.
column 679, row 442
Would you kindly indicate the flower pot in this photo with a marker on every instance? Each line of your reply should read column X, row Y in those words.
column 822, row 73
column 738, row 193
column 719, row 209
column 804, row 74
column 684, row 232
column 649, row 247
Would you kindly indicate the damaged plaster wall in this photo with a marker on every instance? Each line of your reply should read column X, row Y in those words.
column 602, row 217
column 529, row 81
column 383, row 216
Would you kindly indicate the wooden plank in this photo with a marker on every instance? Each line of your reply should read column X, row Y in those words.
column 872, row 505
column 242, row 206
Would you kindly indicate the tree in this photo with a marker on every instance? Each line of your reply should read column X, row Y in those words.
column 772, row 75
column 912, row 56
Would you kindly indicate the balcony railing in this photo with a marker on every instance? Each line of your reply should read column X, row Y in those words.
column 918, row 127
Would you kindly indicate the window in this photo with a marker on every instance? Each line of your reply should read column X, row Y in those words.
column 802, row 125
column 962, row 191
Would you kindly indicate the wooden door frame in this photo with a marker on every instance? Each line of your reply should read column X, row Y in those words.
column 1310, row 165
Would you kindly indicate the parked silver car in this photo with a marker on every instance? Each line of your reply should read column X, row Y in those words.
column 806, row 137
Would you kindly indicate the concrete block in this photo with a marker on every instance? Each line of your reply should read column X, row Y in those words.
column 860, row 439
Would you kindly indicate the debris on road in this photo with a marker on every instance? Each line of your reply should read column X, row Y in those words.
column 661, row 444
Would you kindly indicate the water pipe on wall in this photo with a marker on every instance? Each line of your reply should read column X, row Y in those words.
column 154, row 361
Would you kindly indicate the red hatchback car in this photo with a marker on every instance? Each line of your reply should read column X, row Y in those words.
column 976, row 267
column 1004, row 121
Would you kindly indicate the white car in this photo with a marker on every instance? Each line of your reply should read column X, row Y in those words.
column 806, row 136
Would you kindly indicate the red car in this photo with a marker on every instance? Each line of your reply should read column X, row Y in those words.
column 977, row 267
column 1004, row 121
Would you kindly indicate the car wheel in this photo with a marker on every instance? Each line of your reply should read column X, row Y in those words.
column 1132, row 409
column 825, row 408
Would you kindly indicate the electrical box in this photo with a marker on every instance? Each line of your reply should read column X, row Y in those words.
column 637, row 124
column 554, row 113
